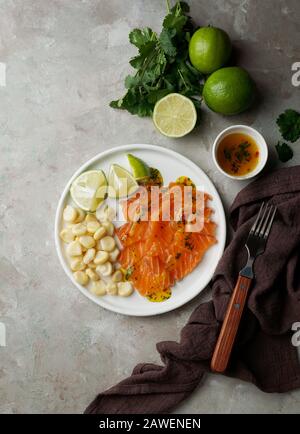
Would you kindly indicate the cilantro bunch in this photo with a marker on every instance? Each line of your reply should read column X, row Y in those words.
column 162, row 65
column 289, row 127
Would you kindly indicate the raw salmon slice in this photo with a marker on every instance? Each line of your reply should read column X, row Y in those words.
column 159, row 253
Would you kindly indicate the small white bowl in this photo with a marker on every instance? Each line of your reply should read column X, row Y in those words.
column 260, row 141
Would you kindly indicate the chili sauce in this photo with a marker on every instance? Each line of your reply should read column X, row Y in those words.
column 238, row 154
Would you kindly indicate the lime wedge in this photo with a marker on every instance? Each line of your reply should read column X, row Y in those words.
column 139, row 168
column 154, row 178
column 174, row 115
column 89, row 189
column 121, row 182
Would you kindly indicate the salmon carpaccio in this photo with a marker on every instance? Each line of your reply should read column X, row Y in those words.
column 159, row 252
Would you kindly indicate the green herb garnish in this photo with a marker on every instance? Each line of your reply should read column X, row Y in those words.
column 162, row 64
column 128, row 273
column 284, row 152
column 289, row 125
column 242, row 153
column 227, row 154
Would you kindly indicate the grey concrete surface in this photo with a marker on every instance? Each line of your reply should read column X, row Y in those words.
column 65, row 60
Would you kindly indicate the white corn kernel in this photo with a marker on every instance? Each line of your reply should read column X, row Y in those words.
column 74, row 249
column 99, row 233
column 90, row 218
column 92, row 265
column 98, row 288
column 87, row 241
column 77, row 264
column 67, row 235
column 105, row 213
column 101, row 257
column 107, row 243
column 104, row 269
column 117, row 276
column 81, row 277
column 92, row 227
column 69, row 214
column 89, row 256
column 80, row 215
column 84, row 249
column 92, row 275
column 112, row 289
column 79, row 229
column 113, row 256
column 110, row 229
column 125, row 289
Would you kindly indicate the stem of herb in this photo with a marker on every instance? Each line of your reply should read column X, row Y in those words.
column 146, row 64
column 181, row 76
column 168, row 6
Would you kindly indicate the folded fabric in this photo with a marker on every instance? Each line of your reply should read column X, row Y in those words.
column 263, row 353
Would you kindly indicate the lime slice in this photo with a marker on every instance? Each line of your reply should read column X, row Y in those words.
column 89, row 190
column 121, row 182
column 174, row 115
column 139, row 168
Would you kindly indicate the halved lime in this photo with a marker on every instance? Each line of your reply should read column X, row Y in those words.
column 140, row 169
column 174, row 115
column 89, row 189
column 121, row 182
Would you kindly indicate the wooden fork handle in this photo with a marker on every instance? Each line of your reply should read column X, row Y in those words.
column 230, row 325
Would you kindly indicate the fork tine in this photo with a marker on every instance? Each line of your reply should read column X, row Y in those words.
column 265, row 223
column 254, row 226
column 261, row 221
column 266, row 234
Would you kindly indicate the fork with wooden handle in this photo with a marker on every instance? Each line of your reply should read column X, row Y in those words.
column 255, row 245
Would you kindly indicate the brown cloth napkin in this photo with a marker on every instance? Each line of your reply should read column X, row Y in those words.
column 263, row 354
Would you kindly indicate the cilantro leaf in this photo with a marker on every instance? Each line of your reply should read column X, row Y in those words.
column 135, row 103
column 175, row 22
column 131, row 81
column 289, row 125
column 284, row 151
column 166, row 43
column 144, row 51
column 140, row 37
column 155, row 95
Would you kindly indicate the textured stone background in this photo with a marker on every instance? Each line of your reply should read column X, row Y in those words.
column 65, row 61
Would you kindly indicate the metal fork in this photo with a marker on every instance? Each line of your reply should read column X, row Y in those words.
column 255, row 245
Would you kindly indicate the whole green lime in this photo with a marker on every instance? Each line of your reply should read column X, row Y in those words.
column 229, row 91
column 209, row 49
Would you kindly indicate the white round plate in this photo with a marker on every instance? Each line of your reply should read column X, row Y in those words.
column 171, row 165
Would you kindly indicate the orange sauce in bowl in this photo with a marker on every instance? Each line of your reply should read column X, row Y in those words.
column 238, row 154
